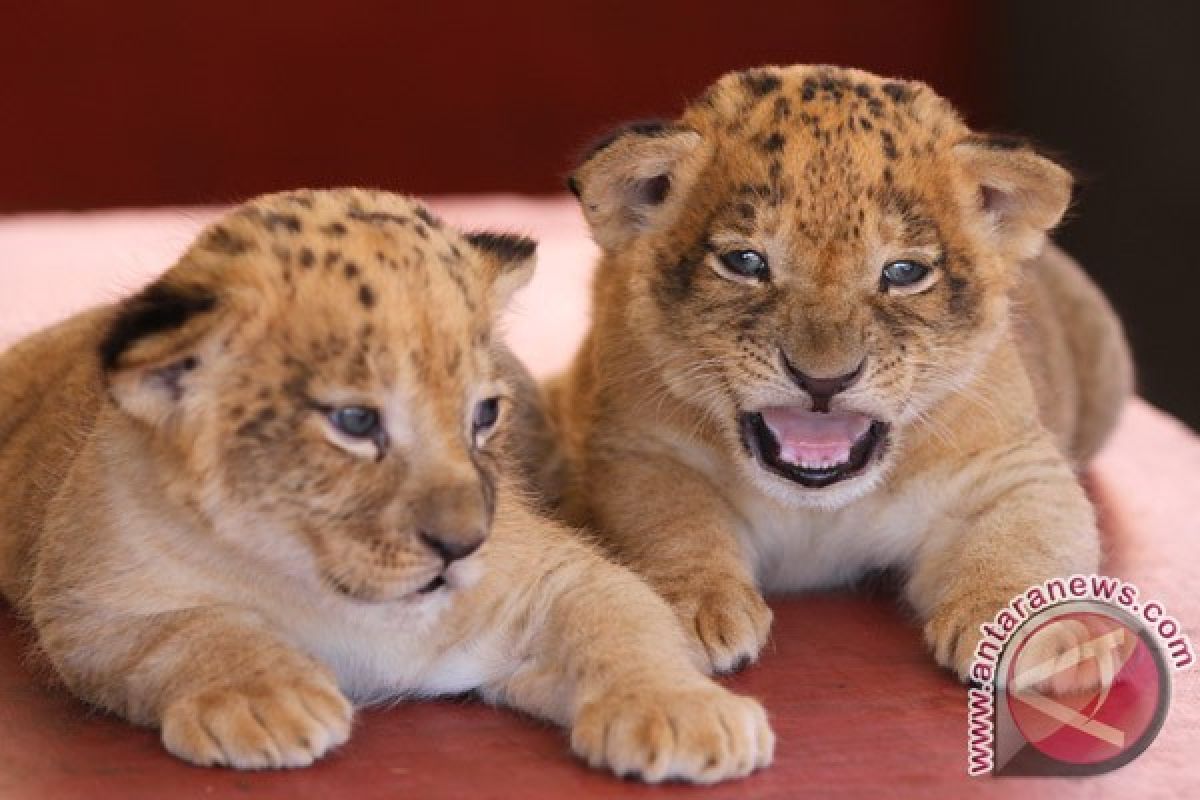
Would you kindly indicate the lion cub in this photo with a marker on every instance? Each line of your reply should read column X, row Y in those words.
column 826, row 339
column 270, row 485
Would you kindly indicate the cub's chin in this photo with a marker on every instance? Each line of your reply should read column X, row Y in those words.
column 812, row 458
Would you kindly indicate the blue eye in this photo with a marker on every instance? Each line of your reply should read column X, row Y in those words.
column 486, row 413
column 355, row 421
column 903, row 273
column 747, row 263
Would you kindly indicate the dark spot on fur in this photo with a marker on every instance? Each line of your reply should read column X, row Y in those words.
column 774, row 143
column 677, row 275
column 960, row 298
column 782, row 110
column 331, row 258
column 421, row 230
column 220, row 240
column 274, row 220
column 350, row 270
column 429, row 219
column 463, row 289
column 889, row 144
column 759, row 82
column 366, row 296
column 377, row 217
column 156, row 309
column 304, row 201
column 809, row 90
column 898, row 92
column 334, row 229
column 306, row 257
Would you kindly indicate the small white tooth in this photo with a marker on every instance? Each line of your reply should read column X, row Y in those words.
column 823, row 464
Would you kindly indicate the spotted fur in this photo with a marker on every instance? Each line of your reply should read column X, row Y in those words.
column 200, row 547
column 996, row 378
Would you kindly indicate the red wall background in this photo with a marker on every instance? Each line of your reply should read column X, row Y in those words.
column 133, row 102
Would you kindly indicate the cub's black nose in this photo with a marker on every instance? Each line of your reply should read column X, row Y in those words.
column 822, row 390
column 453, row 546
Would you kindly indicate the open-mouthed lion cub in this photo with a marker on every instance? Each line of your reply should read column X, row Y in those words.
column 826, row 339
column 269, row 482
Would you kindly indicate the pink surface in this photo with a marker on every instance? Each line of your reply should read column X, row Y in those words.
column 858, row 705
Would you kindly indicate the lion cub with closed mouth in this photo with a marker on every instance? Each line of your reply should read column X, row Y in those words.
column 828, row 338
column 271, row 485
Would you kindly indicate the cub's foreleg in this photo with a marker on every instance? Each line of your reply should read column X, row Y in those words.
column 220, row 686
column 602, row 654
column 1025, row 519
column 673, row 528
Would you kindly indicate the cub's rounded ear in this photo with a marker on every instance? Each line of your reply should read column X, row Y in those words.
column 153, row 344
column 1022, row 194
column 633, row 179
column 508, row 260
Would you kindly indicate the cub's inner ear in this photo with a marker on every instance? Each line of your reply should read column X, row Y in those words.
column 631, row 180
column 1022, row 193
column 508, row 260
column 151, row 347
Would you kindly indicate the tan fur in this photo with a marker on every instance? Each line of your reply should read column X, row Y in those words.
column 996, row 377
column 199, row 549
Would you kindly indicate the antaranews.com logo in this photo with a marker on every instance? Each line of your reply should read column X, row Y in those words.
column 1073, row 677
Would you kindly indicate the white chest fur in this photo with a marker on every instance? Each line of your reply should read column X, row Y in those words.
column 383, row 651
column 791, row 549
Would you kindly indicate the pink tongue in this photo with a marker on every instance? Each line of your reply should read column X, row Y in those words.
column 810, row 439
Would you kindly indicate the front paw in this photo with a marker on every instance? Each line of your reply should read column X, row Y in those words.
column 702, row 734
column 729, row 619
column 265, row 722
column 952, row 633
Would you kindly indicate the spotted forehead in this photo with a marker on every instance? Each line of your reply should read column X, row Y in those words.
column 825, row 145
column 383, row 246
column 821, row 104
column 369, row 284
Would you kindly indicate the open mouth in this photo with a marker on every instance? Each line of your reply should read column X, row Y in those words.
column 813, row 449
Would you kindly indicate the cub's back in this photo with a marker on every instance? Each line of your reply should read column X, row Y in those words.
column 1074, row 350
column 50, row 393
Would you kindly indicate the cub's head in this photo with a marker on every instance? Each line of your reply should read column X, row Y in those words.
column 813, row 257
column 318, row 374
